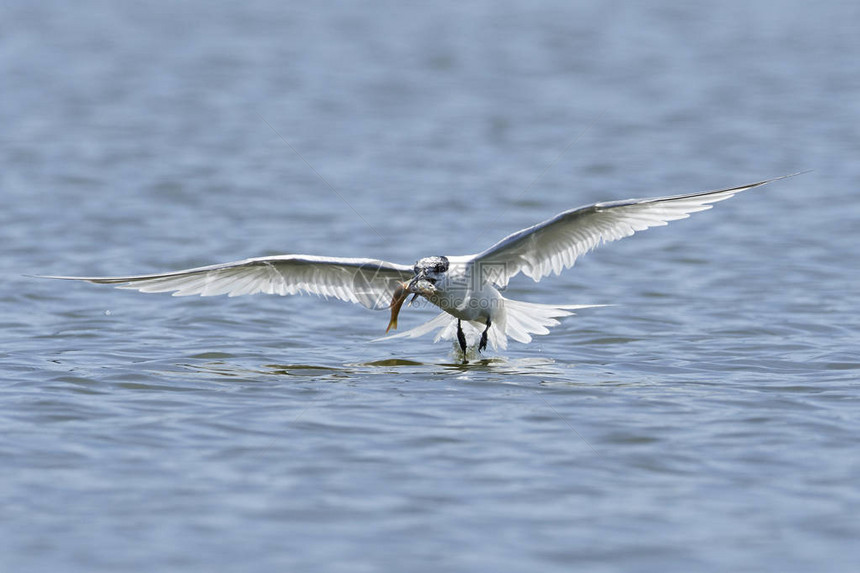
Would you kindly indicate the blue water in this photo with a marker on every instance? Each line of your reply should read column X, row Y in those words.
column 707, row 421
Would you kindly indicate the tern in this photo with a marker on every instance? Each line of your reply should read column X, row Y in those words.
column 465, row 287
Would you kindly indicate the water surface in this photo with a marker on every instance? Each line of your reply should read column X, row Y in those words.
column 706, row 421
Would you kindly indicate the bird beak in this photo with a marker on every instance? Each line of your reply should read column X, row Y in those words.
column 410, row 286
column 401, row 293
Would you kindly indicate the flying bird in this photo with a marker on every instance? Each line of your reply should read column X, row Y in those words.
column 465, row 287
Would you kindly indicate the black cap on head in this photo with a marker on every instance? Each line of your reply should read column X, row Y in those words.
column 432, row 265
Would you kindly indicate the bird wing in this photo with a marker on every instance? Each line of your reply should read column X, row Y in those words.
column 368, row 282
column 555, row 244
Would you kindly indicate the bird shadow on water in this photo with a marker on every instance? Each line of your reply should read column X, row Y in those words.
column 472, row 361
column 494, row 367
column 489, row 367
column 253, row 367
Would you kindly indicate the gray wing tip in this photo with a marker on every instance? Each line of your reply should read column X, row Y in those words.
column 713, row 192
column 766, row 181
column 96, row 280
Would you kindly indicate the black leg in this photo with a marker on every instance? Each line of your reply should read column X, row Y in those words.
column 483, row 345
column 461, row 336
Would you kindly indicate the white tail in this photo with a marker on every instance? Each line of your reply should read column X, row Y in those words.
column 518, row 320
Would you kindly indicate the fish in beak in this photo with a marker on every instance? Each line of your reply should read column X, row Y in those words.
column 421, row 286
column 401, row 293
column 417, row 286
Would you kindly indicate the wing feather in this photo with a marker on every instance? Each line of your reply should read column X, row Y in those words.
column 369, row 282
column 554, row 245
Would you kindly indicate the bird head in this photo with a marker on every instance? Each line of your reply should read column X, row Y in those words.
column 428, row 272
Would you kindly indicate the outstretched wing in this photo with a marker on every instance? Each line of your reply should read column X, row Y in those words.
column 554, row 245
column 368, row 282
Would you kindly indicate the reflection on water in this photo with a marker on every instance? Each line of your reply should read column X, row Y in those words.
column 496, row 366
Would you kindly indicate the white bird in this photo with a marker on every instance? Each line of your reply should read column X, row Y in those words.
column 465, row 287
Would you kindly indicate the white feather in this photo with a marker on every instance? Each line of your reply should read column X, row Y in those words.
column 556, row 244
column 517, row 320
column 368, row 282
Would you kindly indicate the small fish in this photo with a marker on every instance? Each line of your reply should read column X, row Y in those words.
column 401, row 293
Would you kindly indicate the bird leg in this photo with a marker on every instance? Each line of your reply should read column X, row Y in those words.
column 461, row 338
column 483, row 344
